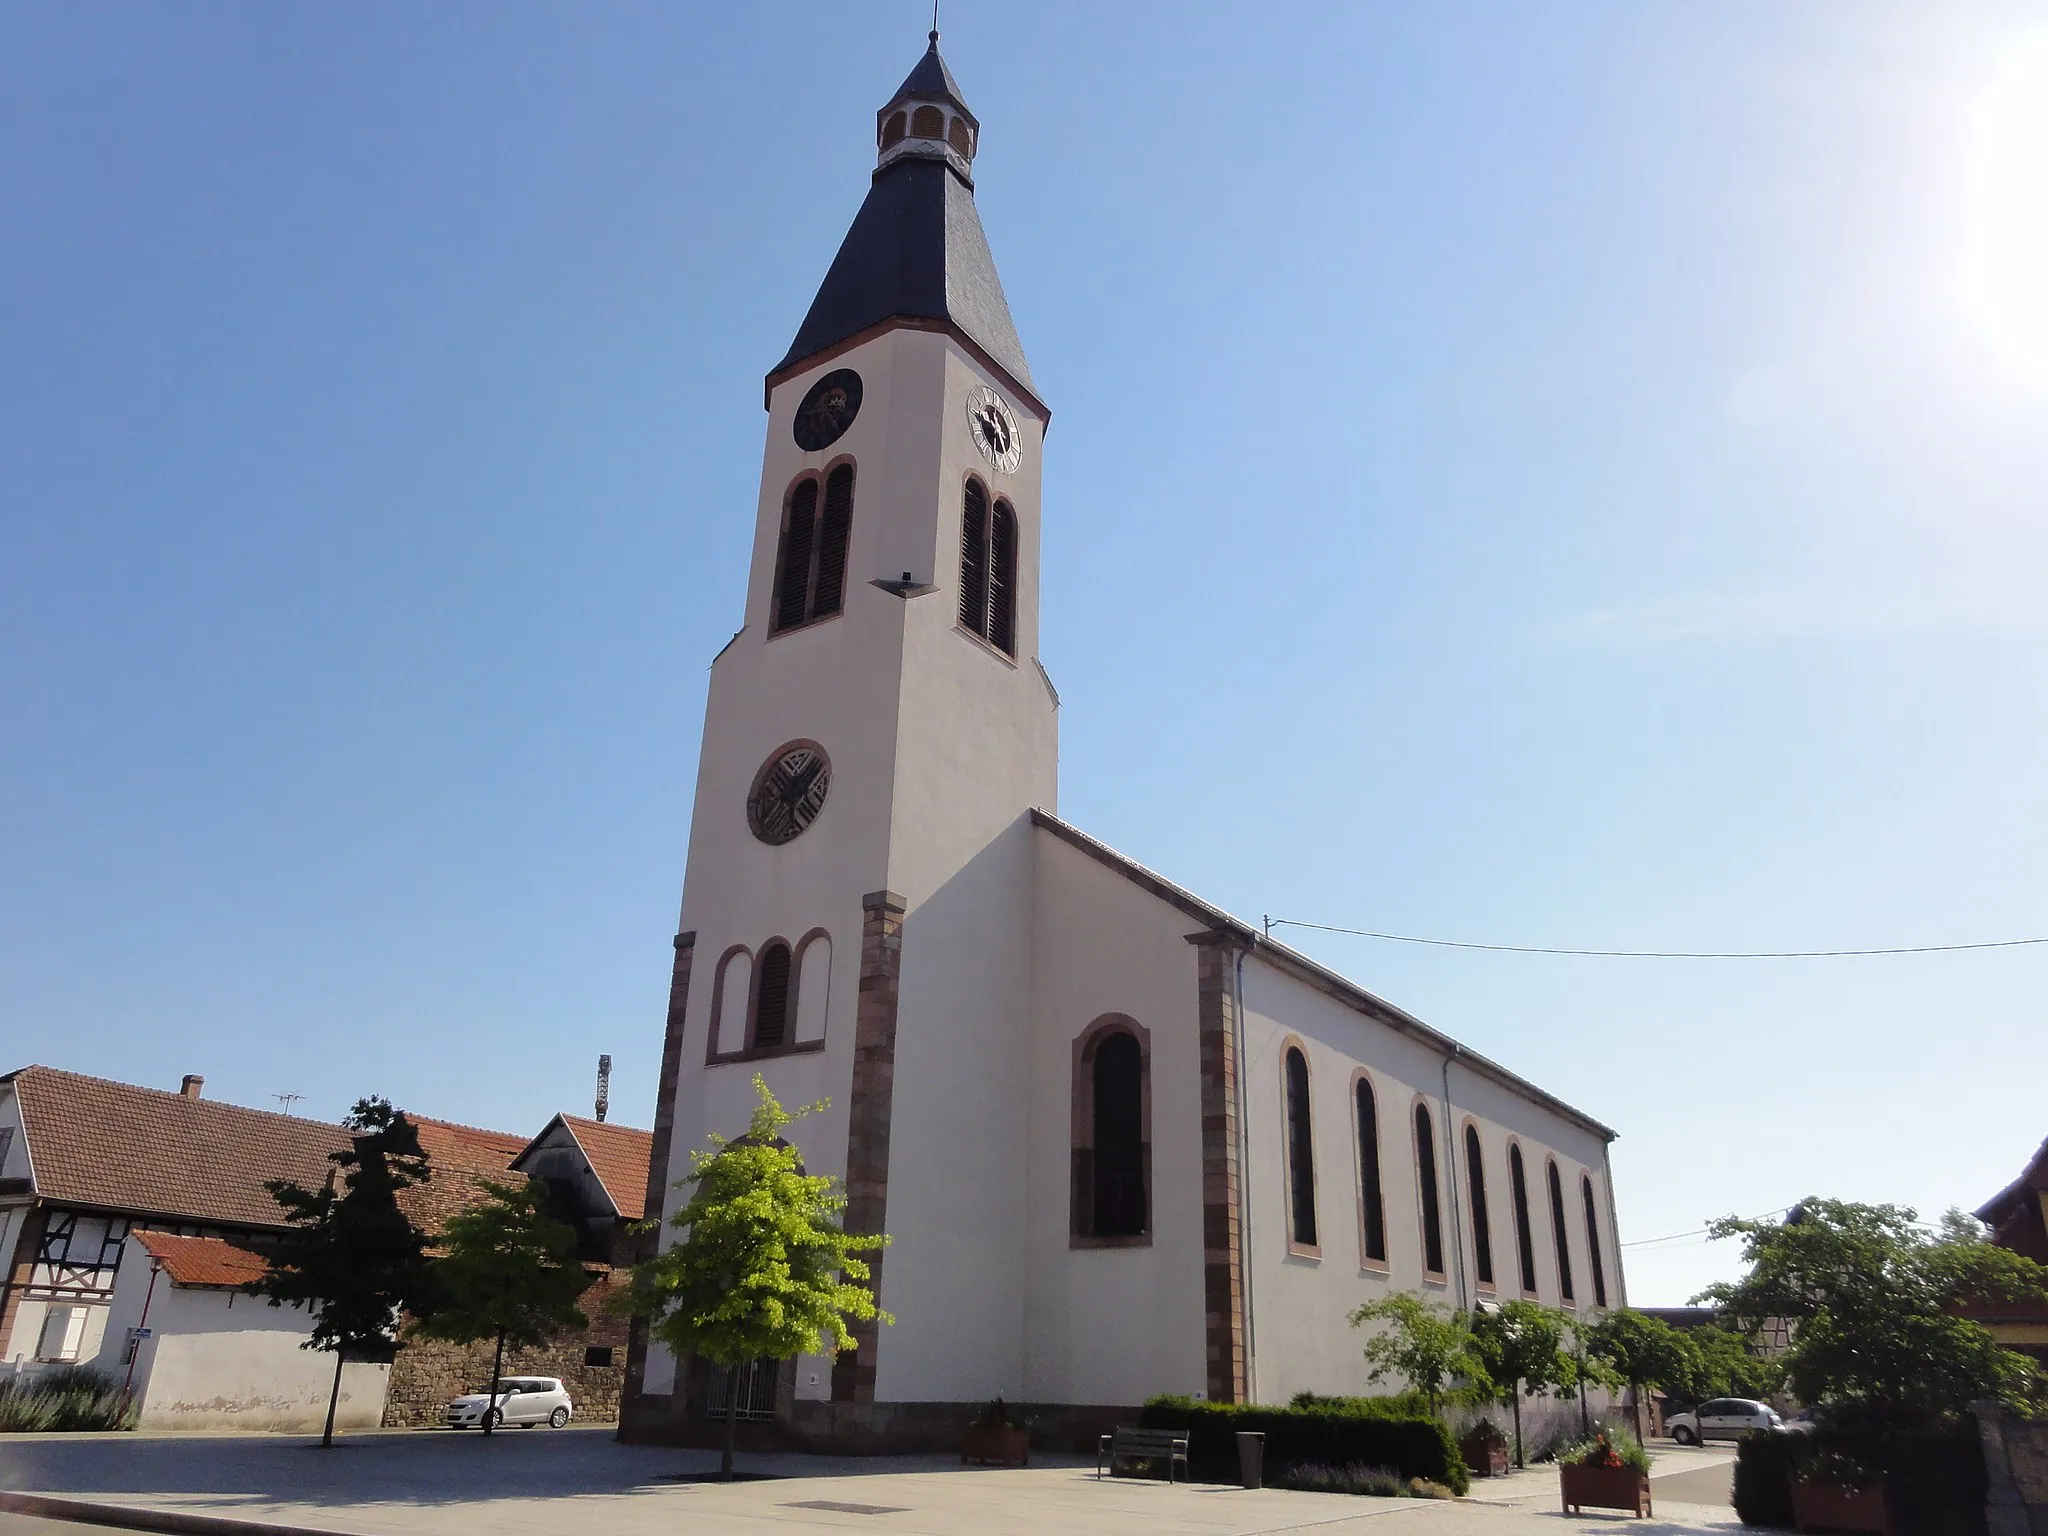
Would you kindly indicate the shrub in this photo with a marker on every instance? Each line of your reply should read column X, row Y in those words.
column 1934, row 1479
column 70, row 1397
column 1423, row 1488
column 1332, row 1432
column 1765, row 1465
column 1348, row 1477
column 1609, row 1448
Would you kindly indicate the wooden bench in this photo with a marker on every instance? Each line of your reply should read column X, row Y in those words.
column 1130, row 1443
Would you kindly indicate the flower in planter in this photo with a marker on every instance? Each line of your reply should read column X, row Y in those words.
column 1612, row 1449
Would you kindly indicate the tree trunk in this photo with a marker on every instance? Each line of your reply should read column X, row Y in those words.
column 732, row 1421
column 1519, row 1459
column 333, row 1397
column 497, row 1366
column 1585, row 1413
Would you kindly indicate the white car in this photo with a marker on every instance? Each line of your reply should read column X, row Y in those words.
column 528, row 1401
column 1724, row 1418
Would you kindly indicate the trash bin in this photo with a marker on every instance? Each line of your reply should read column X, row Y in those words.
column 1251, row 1459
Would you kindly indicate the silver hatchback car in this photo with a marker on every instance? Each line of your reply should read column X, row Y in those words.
column 528, row 1401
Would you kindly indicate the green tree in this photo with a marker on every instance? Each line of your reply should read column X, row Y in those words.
column 1643, row 1351
column 1872, row 1299
column 353, row 1257
column 1427, row 1344
column 507, row 1270
column 1521, row 1344
column 1725, row 1365
column 764, row 1270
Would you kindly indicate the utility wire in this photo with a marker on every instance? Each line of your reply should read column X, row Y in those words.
column 1657, row 954
column 1672, row 1237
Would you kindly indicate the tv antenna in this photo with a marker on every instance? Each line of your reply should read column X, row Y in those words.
column 285, row 1101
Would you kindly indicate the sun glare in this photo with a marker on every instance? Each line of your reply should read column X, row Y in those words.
column 2006, row 264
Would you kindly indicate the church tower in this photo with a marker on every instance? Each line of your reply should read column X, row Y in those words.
column 856, row 911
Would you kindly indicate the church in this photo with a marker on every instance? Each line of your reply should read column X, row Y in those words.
column 1123, row 1143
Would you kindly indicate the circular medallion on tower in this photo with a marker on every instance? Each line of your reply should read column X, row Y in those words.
column 994, row 429
column 788, row 792
column 827, row 410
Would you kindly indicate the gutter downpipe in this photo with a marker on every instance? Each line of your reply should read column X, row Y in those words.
column 156, row 1267
column 1244, row 1184
column 1451, row 1166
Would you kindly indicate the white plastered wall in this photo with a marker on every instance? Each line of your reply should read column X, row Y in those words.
column 218, row 1360
column 1300, row 1302
column 1113, row 1325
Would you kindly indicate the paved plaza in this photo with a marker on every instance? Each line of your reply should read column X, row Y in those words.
column 583, row 1483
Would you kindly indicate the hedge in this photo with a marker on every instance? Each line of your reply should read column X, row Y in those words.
column 1934, row 1479
column 1331, row 1431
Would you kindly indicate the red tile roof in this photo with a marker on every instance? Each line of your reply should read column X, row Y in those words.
column 117, row 1146
column 202, row 1260
column 618, row 1156
column 463, row 1156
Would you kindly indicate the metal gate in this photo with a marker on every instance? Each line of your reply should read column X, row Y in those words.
column 756, row 1383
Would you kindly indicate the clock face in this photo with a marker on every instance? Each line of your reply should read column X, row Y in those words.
column 789, row 791
column 994, row 428
column 827, row 410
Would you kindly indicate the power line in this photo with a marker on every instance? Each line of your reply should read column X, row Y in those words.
column 1657, row 954
column 1646, row 1242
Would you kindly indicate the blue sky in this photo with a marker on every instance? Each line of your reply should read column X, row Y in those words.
column 1569, row 478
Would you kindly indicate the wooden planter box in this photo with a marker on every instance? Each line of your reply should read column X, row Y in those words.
column 1604, row 1488
column 1824, row 1507
column 1001, row 1446
column 1485, row 1460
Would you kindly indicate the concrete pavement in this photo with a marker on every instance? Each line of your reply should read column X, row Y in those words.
column 583, row 1483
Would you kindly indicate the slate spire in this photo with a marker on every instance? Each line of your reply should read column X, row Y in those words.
column 916, row 251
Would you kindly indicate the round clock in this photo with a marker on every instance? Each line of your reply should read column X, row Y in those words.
column 994, row 429
column 827, row 410
column 788, row 792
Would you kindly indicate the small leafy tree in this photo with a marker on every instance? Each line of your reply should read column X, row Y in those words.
column 1427, row 1344
column 1873, row 1301
column 508, row 1271
column 1643, row 1351
column 1522, row 1346
column 764, row 1271
column 1724, row 1365
column 353, row 1257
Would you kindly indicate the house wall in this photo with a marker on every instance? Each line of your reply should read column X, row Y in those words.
column 1111, row 1326
column 219, row 1360
column 1299, row 1300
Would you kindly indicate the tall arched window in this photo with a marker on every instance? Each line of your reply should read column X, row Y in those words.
column 1525, row 1242
column 988, row 568
column 1475, row 1184
column 1432, row 1203
column 810, row 568
column 1559, row 1233
column 1593, row 1242
column 1301, row 1153
column 1119, row 1137
column 771, row 998
column 1112, row 1134
column 1371, row 1200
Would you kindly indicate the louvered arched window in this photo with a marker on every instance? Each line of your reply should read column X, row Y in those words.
column 1559, row 1234
column 1593, row 1242
column 771, row 998
column 988, row 568
column 810, row 568
column 1371, row 1199
column 961, row 138
column 1432, row 1202
column 1301, row 1152
column 928, row 123
column 894, row 130
column 1525, row 1242
column 1475, row 1184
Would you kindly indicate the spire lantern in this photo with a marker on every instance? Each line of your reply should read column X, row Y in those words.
column 927, row 120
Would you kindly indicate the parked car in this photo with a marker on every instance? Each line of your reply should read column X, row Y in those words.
column 1722, row 1418
column 528, row 1401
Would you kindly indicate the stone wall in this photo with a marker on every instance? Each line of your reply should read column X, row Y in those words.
column 2016, row 1472
column 428, row 1373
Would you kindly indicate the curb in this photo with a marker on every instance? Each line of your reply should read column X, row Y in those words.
column 128, row 1517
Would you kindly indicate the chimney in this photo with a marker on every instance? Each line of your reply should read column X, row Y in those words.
column 192, row 1084
column 604, row 1085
